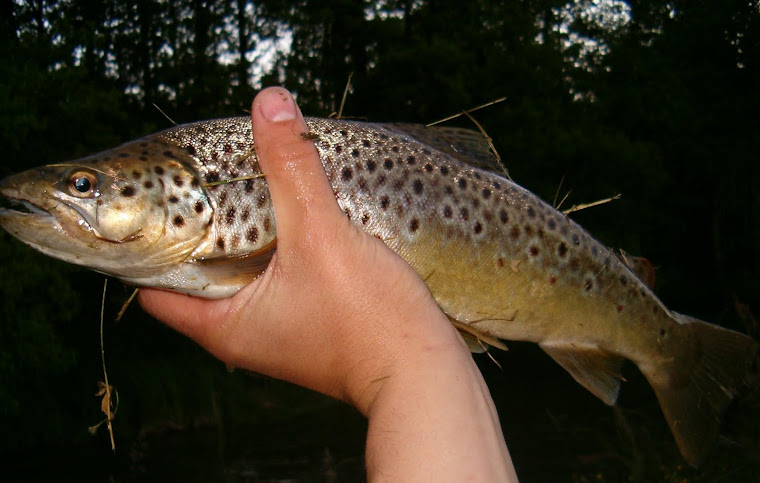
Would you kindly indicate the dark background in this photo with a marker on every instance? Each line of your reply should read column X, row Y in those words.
column 656, row 100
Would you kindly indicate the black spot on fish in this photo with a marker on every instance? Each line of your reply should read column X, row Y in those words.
column 384, row 202
column 533, row 251
column 191, row 150
column 444, row 170
column 447, row 212
column 531, row 212
column 178, row 180
column 462, row 183
column 371, row 166
column 576, row 239
column 169, row 154
column 227, row 148
column 195, row 182
column 515, row 232
column 398, row 184
column 388, row 164
column 528, row 230
column 199, row 207
column 503, row 216
column 158, row 170
column 148, row 185
column 347, row 174
column 230, row 216
column 220, row 243
column 136, row 174
column 414, row 224
column 464, row 214
column 496, row 185
column 245, row 215
column 365, row 143
column 338, row 148
column 477, row 175
column 128, row 191
column 551, row 224
column 395, row 149
column 261, row 201
column 343, row 133
column 429, row 168
column 178, row 221
column 623, row 280
column 486, row 193
column 588, row 285
column 355, row 153
column 411, row 159
column 248, row 185
column 252, row 234
column 362, row 184
column 143, row 158
column 267, row 224
column 222, row 199
column 417, row 185
column 173, row 199
column 123, row 155
column 477, row 228
column 212, row 177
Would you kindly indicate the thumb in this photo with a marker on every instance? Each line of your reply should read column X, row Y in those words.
column 290, row 162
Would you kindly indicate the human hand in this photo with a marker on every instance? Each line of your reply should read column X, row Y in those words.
column 338, row 312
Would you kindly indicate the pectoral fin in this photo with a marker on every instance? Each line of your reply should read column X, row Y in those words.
column 596, row 370
column 238, row 270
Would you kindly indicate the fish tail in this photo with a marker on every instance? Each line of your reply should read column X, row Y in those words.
column 695, row 385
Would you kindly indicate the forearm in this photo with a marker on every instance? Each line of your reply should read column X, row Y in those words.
column 434, row 420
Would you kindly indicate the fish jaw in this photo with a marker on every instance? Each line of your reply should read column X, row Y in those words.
column 41, row 221
column 119, row 229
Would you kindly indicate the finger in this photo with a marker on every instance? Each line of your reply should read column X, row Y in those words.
column 192, row 316
column 295, row 176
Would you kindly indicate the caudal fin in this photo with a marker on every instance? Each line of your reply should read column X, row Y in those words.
column 698, row 383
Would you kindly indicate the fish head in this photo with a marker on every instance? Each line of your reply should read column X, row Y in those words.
column 118, row 212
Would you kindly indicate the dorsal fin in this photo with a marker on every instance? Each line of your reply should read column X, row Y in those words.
column 470, row 147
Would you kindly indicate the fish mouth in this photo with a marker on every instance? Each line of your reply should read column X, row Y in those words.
column 21, row 208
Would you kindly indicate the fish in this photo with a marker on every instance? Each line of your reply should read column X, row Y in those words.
column 188, row 210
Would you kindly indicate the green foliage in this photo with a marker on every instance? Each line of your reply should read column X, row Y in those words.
column 667, row 116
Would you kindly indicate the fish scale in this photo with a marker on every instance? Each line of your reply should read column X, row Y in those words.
column 187, row 209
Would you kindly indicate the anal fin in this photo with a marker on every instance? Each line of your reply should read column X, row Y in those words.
column 592, row 368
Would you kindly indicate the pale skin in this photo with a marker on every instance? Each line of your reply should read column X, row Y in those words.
column 338, row 312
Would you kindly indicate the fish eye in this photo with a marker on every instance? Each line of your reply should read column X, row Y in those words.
column 83, row 184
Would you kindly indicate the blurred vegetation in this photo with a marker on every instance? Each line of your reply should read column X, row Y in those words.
column 655, row 100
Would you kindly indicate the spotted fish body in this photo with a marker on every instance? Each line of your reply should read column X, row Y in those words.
column 187, row 210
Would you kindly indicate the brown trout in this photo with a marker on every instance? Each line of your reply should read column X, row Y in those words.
column 187, row 210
